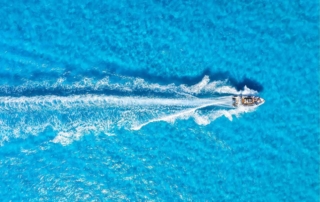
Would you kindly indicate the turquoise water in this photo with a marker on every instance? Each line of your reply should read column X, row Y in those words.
column 131, row 100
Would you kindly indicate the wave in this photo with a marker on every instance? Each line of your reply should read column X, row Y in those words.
column 72, row 116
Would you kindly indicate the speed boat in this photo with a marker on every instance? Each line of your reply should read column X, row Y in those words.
column 247, row 101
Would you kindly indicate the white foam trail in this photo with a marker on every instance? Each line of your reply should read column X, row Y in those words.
column 71, row 117
column 76, row 101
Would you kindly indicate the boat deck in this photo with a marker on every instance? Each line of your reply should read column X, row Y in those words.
column 247, row 100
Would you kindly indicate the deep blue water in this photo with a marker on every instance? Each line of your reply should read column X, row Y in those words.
column 131, row 100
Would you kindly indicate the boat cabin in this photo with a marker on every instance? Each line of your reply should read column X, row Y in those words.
column 247, row 101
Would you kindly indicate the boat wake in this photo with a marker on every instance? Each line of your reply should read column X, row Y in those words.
column 72, row 116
